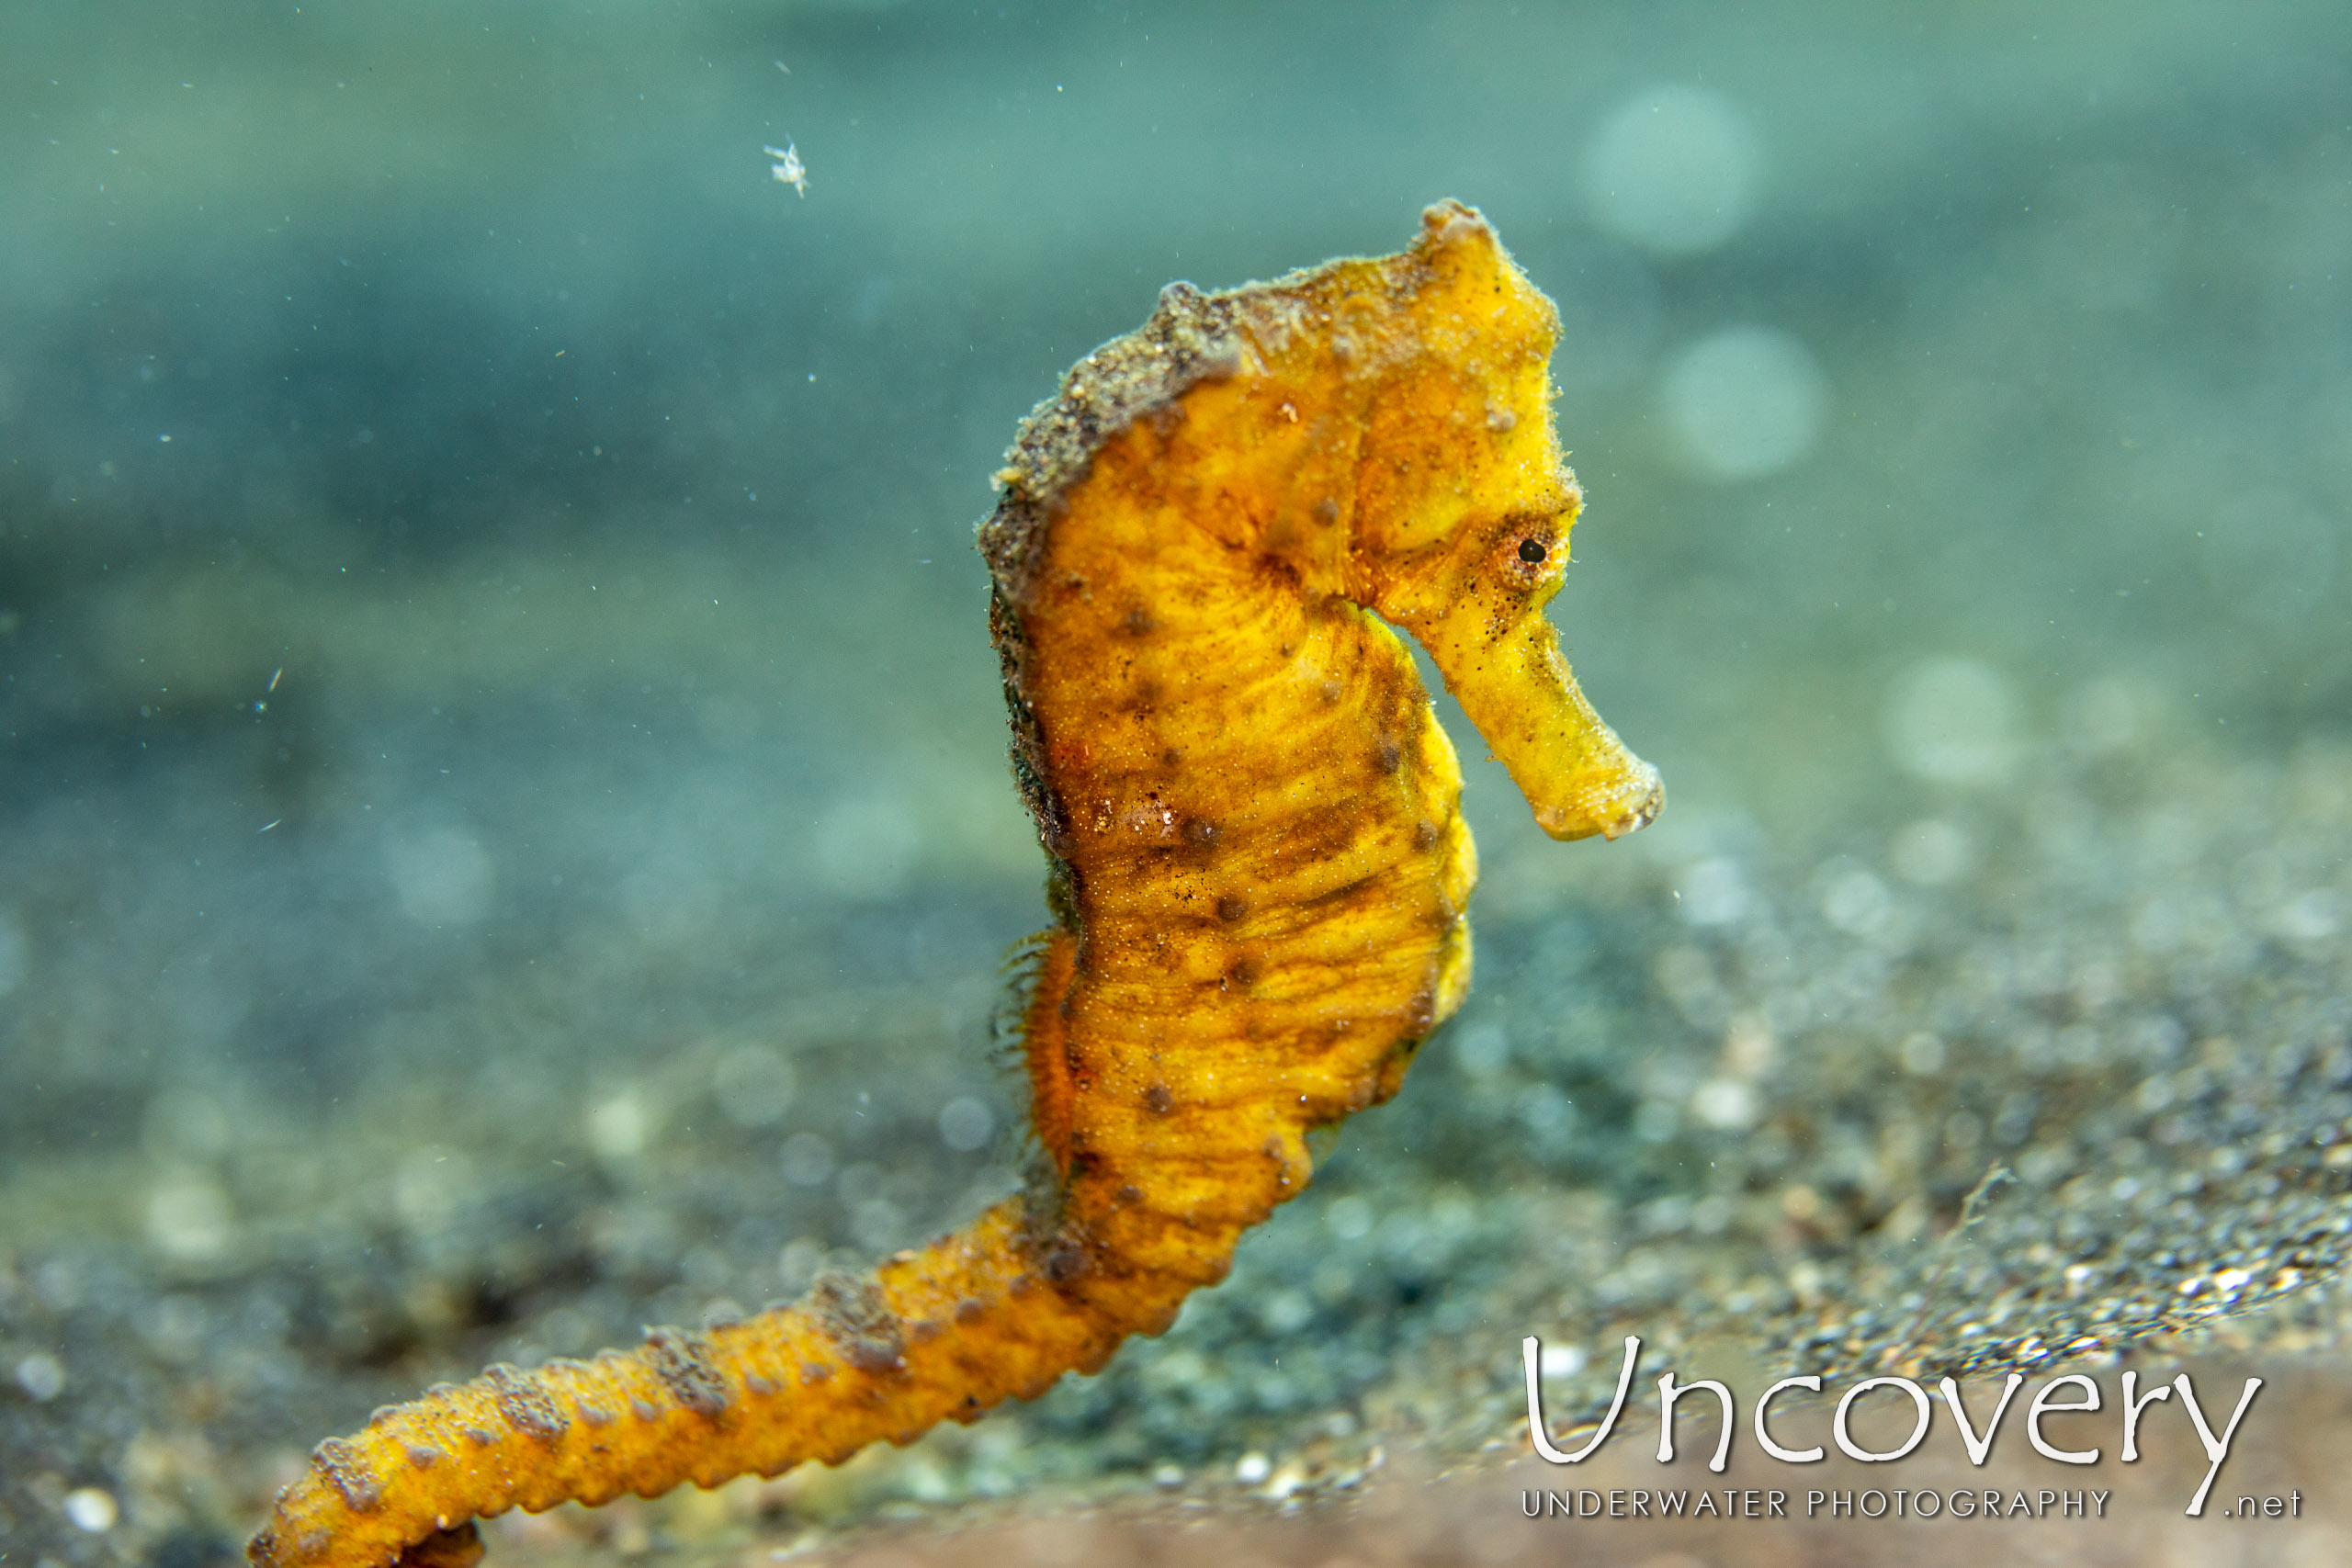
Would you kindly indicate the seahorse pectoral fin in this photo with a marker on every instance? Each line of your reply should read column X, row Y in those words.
column 1512, row 680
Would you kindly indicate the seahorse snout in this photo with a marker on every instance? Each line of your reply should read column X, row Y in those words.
column 1623, row 799
column 1644, row 797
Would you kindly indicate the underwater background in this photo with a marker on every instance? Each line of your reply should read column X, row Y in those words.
column 504, row 829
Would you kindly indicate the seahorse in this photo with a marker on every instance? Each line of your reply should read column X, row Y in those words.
column 1259, row 872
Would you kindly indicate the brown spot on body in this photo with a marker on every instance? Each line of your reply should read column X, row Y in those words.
column 686, row 1368
column 595, row 1415
column 1201, row 833
column 969, row 1310
column 1426, row 834
column 424, row 1456
column 526, row 1404
column 857, row 1318
column 1243, row 971
column 644, row 1409
column 1139, row 622
column 814, row 1372
column 1231, row 907
column 1387, row 756
column 479, row 1436
column 1158, row 1100
column 759, row 1383
column 346, row 1468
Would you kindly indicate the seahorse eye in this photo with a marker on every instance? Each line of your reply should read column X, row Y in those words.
column 1532, row 551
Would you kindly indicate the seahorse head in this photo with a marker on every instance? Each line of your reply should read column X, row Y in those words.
column 1377, row 431
column 1461, row 535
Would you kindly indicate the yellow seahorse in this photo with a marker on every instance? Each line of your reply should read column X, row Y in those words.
column 1258, row 872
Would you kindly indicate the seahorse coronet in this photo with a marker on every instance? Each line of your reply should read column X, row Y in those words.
column 1203, row 549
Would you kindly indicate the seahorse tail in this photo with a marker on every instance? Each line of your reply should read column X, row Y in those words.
column 1128, row 1224
column 997, row 1310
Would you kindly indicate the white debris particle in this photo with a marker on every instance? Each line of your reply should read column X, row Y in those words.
column 1286, row 1481
column 189, row 1219
column 789, row 168
column 619, row 1128
column 1561, row 1361
column 1724, row 1103
column 91, row 1509
column 41, row 1377
column 965, row 1124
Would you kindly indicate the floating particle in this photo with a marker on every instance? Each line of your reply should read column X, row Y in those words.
column 754, row 1085
column 189, row 1219
column 1715, row 893
column 1561, row 1361
column 1348, row 1218
column 1855, row 902
column 1482, row 1050
column 965, row 1124
column 1724, row 1103
column 619, row 1128
column 442, row 876
column 787, row 168
column 1745, row 403
column 1922, row 1053
column 1953, row 720
column 91, row 1508
column 41, row 1376
column 1673, row 170
column 807, row 1159
column 1931, row 853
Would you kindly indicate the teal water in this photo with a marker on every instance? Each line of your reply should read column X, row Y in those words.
column 503, row 831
